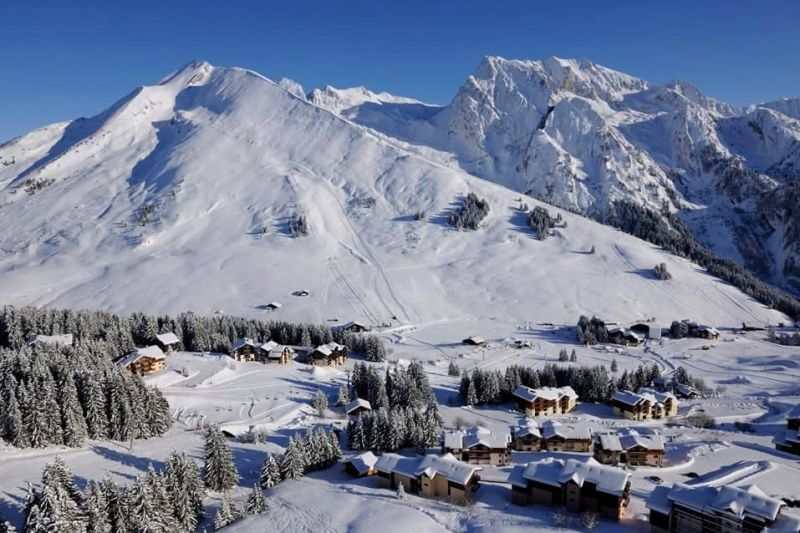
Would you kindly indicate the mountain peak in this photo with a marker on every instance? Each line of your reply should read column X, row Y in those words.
column 192, row 73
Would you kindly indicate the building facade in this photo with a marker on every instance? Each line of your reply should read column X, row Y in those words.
column 478, row 445
column 431, row 476
column 545, row 401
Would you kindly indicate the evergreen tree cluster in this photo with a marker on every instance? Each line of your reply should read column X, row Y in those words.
column 196, row 333
column 784, row 339
column 405, row 413
column 641, row 377
column 591, row 383
column 62, row 395
column 541, row 222
column 670, row 233
column 316, row 450
column 168, row 501
column 591, row 331
column 298, row 226
column 469, row 216
column 661, row 272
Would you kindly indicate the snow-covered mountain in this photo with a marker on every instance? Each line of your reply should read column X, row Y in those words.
column 182, row 195
column 583, row 136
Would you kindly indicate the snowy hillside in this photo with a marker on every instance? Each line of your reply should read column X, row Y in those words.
column 582, row 136
column 181, row 196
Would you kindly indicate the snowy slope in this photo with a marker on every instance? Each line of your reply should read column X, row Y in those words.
column 179, row 197
column 581, row 136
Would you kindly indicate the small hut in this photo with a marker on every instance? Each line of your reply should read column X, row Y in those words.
column 168, row 342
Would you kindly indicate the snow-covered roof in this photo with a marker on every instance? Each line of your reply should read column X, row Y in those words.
column 626, row 332
column 737, row 501
column 629, row 440
column 557, row 472
column 356, row 404
column 794, row 412
column 430, row 465
column 363, row 462
column 329, row 348
column 274, row 305
column 267, row 346
column 167, row 338
column 351, row 323
column 57, row 340
column 242, row 342
column 474, row 436
column 529, row 427
column 151, row 352
column 686, row 390
column 475, row 339
column 548, row 393
column 552, row 428
column 650, row 395
column 627, row 397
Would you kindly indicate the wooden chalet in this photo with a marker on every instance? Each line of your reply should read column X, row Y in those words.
column 168, row 342
column 577, row 485
column 647, row 404
column 244, row 349
column 430, row 476
column 330, row 354
column 352, row 327
column 474, row 340
column 791, row 438
column 273, row 306
column 272, row 352
column 144, row 361
column 625, row 337
column 478, row 445
column 648, row 330
column 629, row 448
column 681, row 508
column 545, row 401
column 553, row 436
column 361, row 465
column 685, row 391
column 357, row 407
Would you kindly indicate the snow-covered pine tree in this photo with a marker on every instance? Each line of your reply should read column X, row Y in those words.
column 13, row 428
column 401, row 491
column 72, row 418
column 270, row 472
column 320, row 402
column 226, row 514
column 356, row 436
column 185, row 489
column 256, row 504
column 96, row 509
column 146, row 513
column 344, row 397
column 614, row 366
column 333, row 446
column 452, row 369
column 573, row 357
column 118, row 508
column 94, row 406
column 562, row 355
column 472, row 395
column 293, row 461
column 219, row 472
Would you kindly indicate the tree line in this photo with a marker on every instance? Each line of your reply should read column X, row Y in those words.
column 63, row 395
column 195, row 333
column 670, row 233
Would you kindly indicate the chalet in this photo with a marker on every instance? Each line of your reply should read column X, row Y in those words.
column 272, row 352
column 791, row 438
column 645, row 405
column 432, row 476
column 626, row 337
column 693, row 329
column 352, row 327
column 244, row 349
column 273, row 306
column 577, row 485
column 545, row 401
column 474, row 341
column 478, row 445
column 168, row 342
column 144, row 361
column 522, row 343
column 330, row 354
column 727, row 508
column 357, row 406
column 647, row 330
column 685, row 391
column 629, row 448
column 52, row 340
column 361, row 465
column 301, row 292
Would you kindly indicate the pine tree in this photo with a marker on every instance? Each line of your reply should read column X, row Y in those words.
column 344, row 397
column 97, row 519
column 219, row 472
column 293, row 461
column 270, row 472
column 14, row 429
column 185, row 489
column 614, row 367
column 256, row 504
column 226, row 514
column 452, row 369
column 72, row 418
column 562, row 355
column 356, row 434
column 320, row 403
column 573, row 357
column 118, row 508
column 472, row 395
column 401, row 492
column 333, row 446
column 94, row 405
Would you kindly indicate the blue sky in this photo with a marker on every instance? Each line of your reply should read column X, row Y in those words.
column 63, row 59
